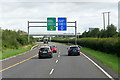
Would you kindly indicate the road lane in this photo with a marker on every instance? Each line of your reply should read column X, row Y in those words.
column 33, row 68
column 60, row 66
column 75, row 66
column 18, row 59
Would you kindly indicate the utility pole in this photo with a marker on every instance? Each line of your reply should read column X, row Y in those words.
column 104, row 19
column 108, row 18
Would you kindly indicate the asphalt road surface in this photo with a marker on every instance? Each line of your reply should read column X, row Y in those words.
column 60, row 66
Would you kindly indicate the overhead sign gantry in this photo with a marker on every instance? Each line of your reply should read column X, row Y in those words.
column 51, row 25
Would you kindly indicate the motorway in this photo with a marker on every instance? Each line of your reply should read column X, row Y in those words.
column 60, row 66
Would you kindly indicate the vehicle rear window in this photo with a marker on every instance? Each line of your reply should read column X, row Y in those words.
column 73, row 47
column 52, row 46
column 44, row 49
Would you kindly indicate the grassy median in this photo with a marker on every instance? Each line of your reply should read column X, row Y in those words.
column 11, row 52
column 107, row 59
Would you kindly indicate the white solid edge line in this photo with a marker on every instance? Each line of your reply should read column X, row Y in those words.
column 56, row 61
column 58, row 55
column 34, row 46
column 51, row 71
column 98, row 67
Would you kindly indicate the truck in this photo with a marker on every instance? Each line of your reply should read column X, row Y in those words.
column 45, row 40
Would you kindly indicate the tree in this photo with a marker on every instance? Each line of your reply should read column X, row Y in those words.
column 84, row 34
column 103, row 33
column 111, row 30
column 95, row 32
column 118, row 34
column 14, row 39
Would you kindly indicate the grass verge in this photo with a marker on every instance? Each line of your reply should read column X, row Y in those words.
column 11, row 52
column 107, row 59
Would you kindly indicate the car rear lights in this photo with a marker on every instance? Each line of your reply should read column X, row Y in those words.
column 78, row 49
column 54, row 48
column 40, row 51
column 70, row 49
column 49, row 50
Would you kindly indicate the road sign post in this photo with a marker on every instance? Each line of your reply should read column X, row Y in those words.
column 51, row 24
column 62, row 25
column 75, row 34
column 28, row 31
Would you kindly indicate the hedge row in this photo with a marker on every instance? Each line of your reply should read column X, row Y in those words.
column 108, row 45
column 13, row 39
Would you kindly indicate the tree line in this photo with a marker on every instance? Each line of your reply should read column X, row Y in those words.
column 111, row 31
column 14, row 39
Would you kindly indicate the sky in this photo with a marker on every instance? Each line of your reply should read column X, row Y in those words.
column 14, row 14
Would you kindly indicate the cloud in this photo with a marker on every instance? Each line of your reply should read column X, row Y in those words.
column 60, row 0
column 14, row 15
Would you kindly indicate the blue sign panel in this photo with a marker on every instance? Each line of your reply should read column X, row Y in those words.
column 62, row 24
column 35, row 41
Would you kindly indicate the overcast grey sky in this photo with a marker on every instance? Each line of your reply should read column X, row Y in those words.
column 14, row 14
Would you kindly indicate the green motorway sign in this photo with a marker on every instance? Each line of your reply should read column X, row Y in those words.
column 51, row 24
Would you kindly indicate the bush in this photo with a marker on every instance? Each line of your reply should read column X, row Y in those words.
column 14, row 39
column 108, row 45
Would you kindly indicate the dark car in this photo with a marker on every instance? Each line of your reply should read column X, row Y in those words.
column 45, row 40
column 53, row 48
column 45, row 51
column 74, row 50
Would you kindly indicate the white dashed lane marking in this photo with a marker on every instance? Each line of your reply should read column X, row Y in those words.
column 51, row 71
column 58, row 55
column 56, row 61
